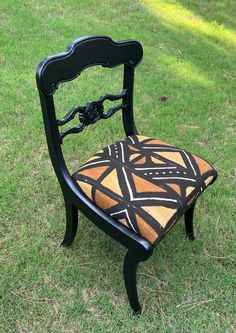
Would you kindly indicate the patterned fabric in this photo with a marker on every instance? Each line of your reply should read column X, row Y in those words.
column 145, row 184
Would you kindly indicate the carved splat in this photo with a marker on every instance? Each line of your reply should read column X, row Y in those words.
column 90, row 113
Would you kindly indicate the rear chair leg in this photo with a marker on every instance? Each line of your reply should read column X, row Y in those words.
column 130, row 269
column 188, row 219
column 71, row 223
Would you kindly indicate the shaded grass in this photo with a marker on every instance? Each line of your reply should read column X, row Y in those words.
column 189, row 55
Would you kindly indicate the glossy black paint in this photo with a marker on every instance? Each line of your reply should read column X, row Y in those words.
column 188, row 219
column 83, row 53
column 66, row 66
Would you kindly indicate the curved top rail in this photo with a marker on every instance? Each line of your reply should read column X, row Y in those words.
column 82, row 53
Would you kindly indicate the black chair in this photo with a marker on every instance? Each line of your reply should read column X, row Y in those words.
column 134, row 190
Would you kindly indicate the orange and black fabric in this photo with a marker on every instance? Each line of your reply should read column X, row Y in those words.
column 145, row 184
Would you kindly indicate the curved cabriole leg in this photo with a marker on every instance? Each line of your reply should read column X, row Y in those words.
column 188, row 219
column 130, row 269
column 71, row 223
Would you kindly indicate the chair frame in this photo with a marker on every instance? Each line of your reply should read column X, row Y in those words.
column 81, row 54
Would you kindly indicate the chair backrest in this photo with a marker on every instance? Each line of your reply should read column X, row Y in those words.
column 81, row 54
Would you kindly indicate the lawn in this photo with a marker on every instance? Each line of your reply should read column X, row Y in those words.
column 190, row 56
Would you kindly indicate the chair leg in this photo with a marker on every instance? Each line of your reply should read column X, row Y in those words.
column 71, row 223
column 130, row 269
column 188, row 219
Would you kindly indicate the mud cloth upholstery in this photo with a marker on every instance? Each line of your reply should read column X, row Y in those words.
column 145, row 184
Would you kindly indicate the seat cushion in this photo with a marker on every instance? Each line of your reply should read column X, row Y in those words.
column 145, row 184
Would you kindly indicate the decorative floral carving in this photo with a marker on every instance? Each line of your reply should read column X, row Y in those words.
column 91, row 113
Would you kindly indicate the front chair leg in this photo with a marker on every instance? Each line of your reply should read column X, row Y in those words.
column 71, row 223
column 188, row 219
column 130, row 269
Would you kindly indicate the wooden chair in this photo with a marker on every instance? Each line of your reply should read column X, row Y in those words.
column 135, row 189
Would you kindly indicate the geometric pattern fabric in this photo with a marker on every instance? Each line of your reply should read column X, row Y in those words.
column 145, row 184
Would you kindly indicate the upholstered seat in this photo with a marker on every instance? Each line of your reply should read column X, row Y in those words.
column 145, row 184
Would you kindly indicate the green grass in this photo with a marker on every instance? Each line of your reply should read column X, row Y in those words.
column 189, row 55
